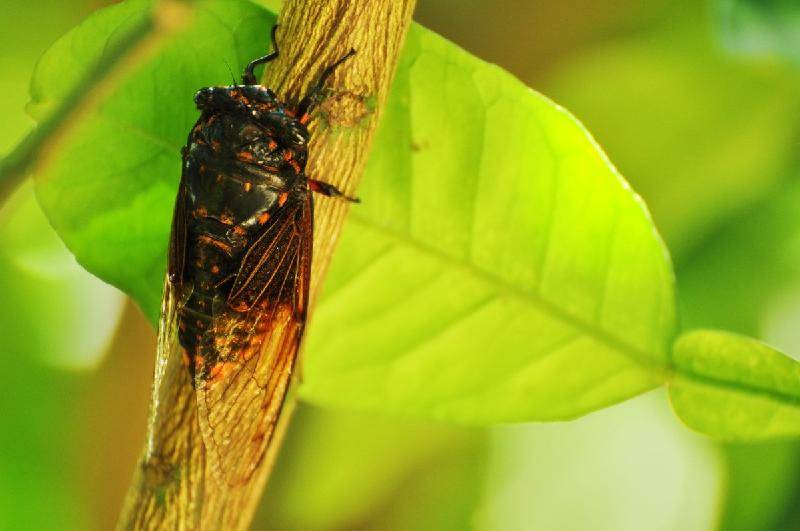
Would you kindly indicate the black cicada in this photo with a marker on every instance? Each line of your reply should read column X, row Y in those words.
column 240, row 259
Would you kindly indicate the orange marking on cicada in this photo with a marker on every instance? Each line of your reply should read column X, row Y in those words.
column 215, row 269
column 246, row 156
column 224, row 247
column 240, row 306
column 283, row 198
column 263, row 218
column 265, row 107
column 248, row 186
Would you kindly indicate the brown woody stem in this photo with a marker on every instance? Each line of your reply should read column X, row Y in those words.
column 312, row 35
column 172, row 487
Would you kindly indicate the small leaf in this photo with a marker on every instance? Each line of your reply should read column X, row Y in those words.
column 735, row 388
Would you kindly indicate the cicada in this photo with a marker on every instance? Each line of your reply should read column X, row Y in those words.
column 240, row 259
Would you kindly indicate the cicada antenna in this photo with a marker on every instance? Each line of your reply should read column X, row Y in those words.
column 248, row 77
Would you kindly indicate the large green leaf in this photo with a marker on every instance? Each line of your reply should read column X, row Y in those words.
column 498, row 269
column 734, row 387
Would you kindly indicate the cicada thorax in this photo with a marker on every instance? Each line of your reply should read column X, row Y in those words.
column 239, row 172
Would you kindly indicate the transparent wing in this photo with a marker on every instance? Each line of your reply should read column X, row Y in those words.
column 241, row 389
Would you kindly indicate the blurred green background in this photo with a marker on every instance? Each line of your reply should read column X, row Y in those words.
column 698, row 105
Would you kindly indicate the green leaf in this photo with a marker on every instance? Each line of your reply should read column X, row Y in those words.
column 735, row 388
column 758, row 28
column 721, row 286
column 498, row 269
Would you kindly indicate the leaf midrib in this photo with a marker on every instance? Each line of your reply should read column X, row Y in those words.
column 741, row 387
column 638, row 356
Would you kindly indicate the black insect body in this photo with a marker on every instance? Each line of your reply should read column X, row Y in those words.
column 240, row 259
column 238, row 174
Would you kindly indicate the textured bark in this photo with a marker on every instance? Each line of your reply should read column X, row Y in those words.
column 313, row 34
column 173, row 487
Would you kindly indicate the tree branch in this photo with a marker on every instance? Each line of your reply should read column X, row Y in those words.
column 173, row 487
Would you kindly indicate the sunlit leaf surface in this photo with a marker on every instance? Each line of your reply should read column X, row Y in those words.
column 498, row 269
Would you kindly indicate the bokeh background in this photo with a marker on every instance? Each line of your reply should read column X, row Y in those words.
column 697, row 102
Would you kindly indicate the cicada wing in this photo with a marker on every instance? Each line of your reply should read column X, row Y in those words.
column 176, row 256
column 256, row 340
column 169, row 407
